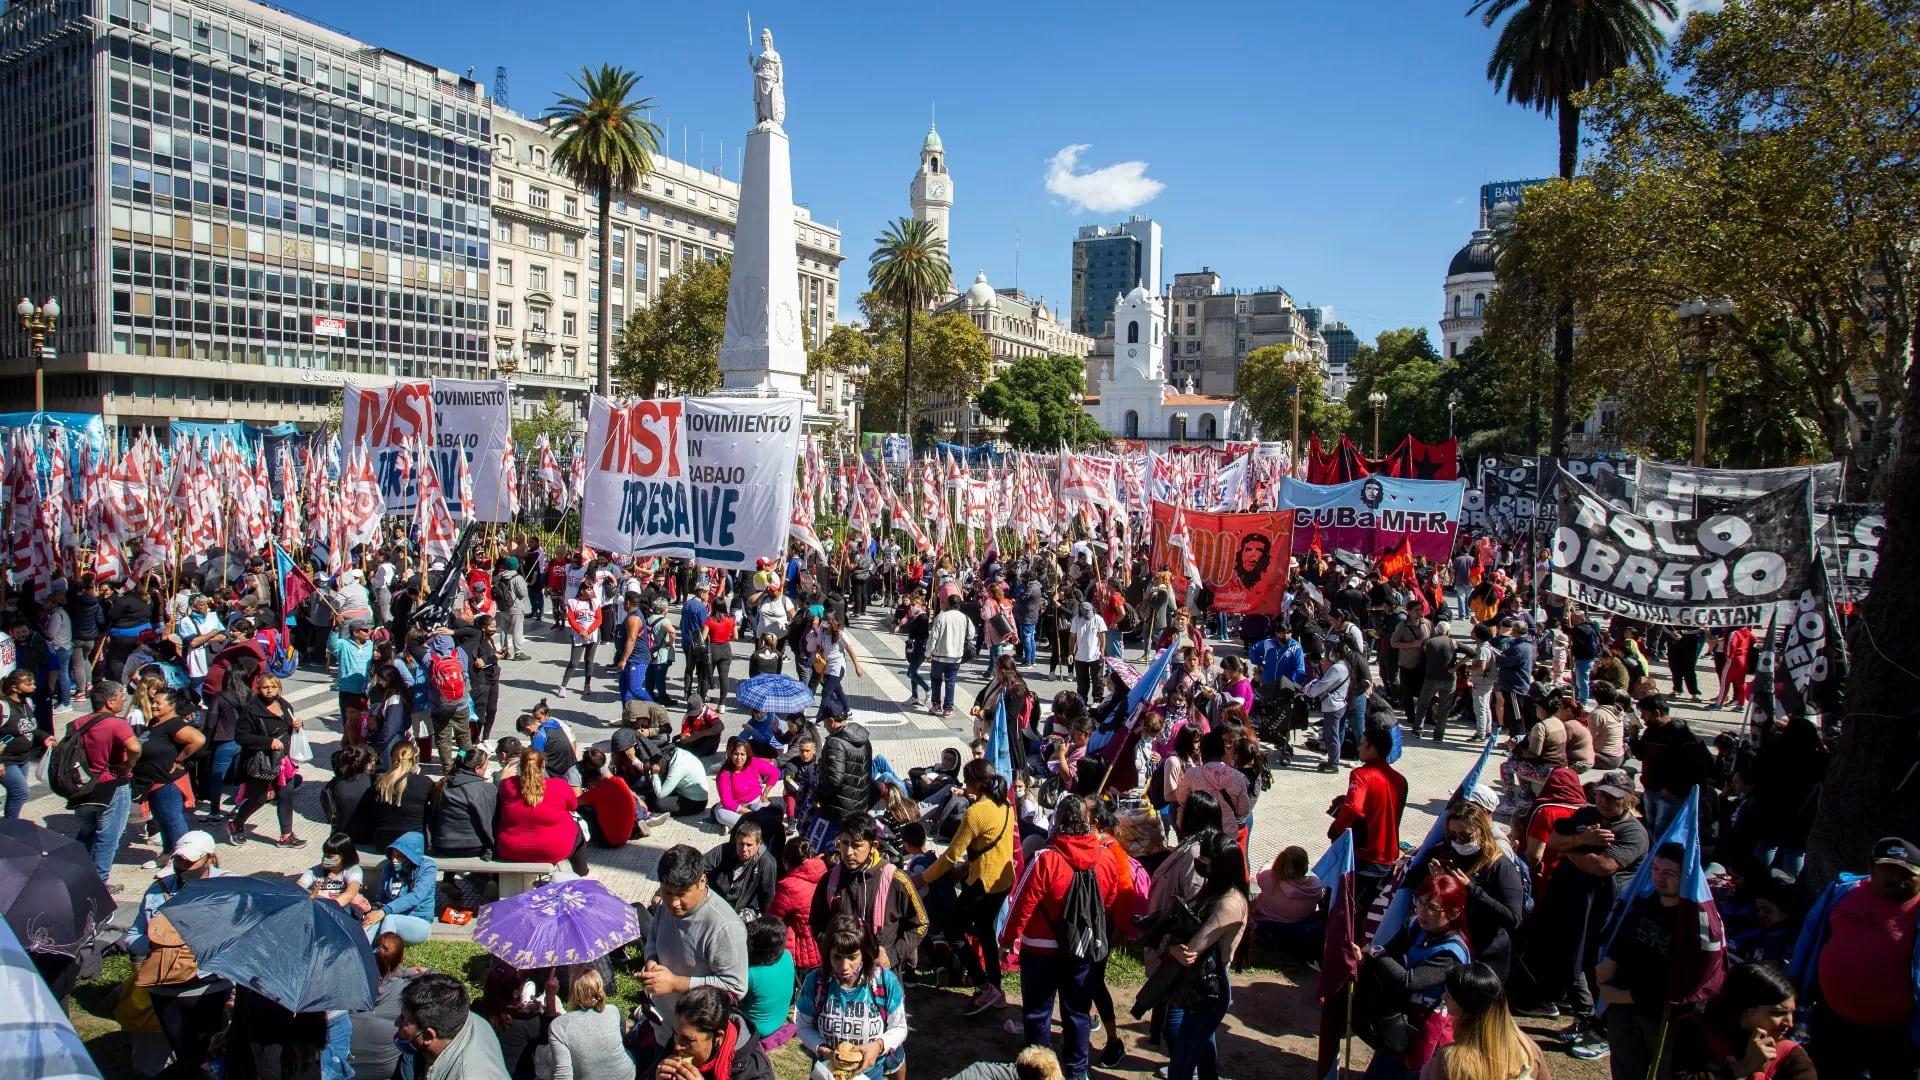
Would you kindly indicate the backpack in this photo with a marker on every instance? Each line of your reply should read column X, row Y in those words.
column 1081, row 929
column 501, row 592
column 449, row 678
column 1129, row 620
column 171, row 961
column 69, row 773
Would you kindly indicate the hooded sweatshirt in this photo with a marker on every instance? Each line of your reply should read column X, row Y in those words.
column 474, row 1054
column 408, row 885
column 1041, row 896
column 793, row 905
column 903, row 921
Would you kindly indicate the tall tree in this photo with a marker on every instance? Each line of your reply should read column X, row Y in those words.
column 1548, row 52
column 674, row 342
column 551, row 421
column 1267, row 385
column 1035, row 397
column 909, row 269
column 606, row 145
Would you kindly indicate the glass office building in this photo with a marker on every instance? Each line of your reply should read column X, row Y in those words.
column 1108, row 261
column 238, row 209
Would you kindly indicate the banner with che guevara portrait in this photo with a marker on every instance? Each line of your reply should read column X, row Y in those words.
column 1242, row 558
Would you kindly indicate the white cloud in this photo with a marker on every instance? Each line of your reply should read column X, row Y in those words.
column 1687, row 7
column 1120, row 186
column 1460, row 200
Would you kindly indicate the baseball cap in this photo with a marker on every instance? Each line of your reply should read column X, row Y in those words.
column 1615, row 782
column 194, row 846
column 1893, row 851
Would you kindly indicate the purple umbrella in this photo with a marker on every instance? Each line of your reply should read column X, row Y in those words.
column 566, row 922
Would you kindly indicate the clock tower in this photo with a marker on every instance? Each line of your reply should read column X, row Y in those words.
column 932, row 194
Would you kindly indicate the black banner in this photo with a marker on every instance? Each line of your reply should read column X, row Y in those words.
column 1518, row 494
column 1810, row 674
column 1849, row 539
column 1732, row 569
column 1679, row 492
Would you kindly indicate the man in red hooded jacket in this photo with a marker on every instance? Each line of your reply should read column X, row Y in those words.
column 1034, row 915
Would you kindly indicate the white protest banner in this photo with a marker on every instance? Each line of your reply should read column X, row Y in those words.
column 451, row 418
column 709, row 479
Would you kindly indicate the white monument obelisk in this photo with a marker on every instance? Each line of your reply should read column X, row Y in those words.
column 765, row 345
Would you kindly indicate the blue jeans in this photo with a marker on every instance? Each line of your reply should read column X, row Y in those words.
column 1028, row 647
column 657, row 681
column 916, row 678
column 1113, row 643
column 412, row 929
column 883, row 770
column 59, row 669
column 945, row 672
column 833, row 698
column 1193, row 1051
column 1582, row 670
column 1660, row 810
column 333, row 1059
column 15, row 786
column 1043, row 975
column 101, row 827
column 168, row 805
column 224, row 755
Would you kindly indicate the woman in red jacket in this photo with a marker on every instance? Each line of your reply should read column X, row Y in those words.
column 800, row 874
column 536, row 818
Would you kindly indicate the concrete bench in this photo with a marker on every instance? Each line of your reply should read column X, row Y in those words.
column 515, row 877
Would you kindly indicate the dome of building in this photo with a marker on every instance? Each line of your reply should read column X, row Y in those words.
column 933, row 140
column 981, row 294
column 1138, row 296
column 1475, row 258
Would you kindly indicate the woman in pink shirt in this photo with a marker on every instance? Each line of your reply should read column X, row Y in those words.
column 1233, row 674
column 747, row 784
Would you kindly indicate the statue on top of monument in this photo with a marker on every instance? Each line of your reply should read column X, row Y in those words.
column 769, row 100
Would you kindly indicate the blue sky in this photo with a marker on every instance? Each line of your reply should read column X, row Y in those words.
column 1335, row 149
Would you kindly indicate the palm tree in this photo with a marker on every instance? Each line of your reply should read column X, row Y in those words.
column 1548, row 51
column 606, row 146
column 909, row 268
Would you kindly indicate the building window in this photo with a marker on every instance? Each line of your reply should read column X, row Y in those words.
column 1479, row 305
column 569, row 283
column 537, row 198
column 1207, row 427
column 1453, row 349
column 537, row 320
column 505, row 188
column 568, row 324
column 1458, row 303
column 1189, row 329
column 570, row 247
column 537, row 239
column 570, row 206
column 1193, row 346
column 1132, row 425
column 503, row 315
column 1133, row 332
column 537, row 278
column 1189, row 314
column 503, row 231
column 503, row 272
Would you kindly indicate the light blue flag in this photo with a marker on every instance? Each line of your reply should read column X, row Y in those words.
column 1150, row 681
column 1401, row 906
column 998, row 754
column 1335, row 867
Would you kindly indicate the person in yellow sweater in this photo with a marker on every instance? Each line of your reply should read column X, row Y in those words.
column 983, row 848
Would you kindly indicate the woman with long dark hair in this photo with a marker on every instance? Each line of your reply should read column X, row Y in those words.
column 1008, row 686
column 1202, row 996
column 983, row 847
column 831, row 641
column 264, row 731
column 1496, row 891
column 1742, row 1033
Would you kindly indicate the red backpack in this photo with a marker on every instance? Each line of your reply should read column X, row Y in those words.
column 449, row 678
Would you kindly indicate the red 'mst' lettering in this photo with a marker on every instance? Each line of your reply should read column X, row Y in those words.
column 643, row 439
column 389, row 416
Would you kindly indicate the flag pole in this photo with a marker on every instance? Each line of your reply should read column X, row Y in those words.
column 1347, row 1068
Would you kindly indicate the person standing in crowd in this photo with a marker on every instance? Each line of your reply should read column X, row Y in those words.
column 1408, row 641
column 697, row 940
column 171, row 742
column 696, row 640
column 353, row 656
column 512, row 600
column 830, row 640
column 89, row 617
column 915, row 626
column 1055, row 958
column 447, row 1039
column 983, row 846
column 483, row 679
column 19, row 732
column 374, row 1054
column 1636, row 978
column 449, row 701
column 1403, row 983
column 1854, row 966
column 947, row 648
column 1585, row 644
column 722, row 629
column 1493, row 876
column 660, row 662
column 582, row 616
column 1376, row 797
column 1089, row 641
column 866, row 886
column 111, row 749
column 1487, row 1044
column 1328, row 691
column 1204, row 994
column 1514, row 663
column 1673, row 761
column 844, row 790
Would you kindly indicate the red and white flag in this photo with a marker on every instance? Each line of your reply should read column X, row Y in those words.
column 435, row 524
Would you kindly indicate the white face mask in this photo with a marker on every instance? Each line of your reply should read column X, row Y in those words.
column 1465, row 847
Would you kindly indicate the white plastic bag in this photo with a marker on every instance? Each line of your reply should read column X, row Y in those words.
column 299, row 749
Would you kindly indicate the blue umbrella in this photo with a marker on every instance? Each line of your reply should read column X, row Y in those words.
column 305, row 955
column 37, row 1039
column 774, row 693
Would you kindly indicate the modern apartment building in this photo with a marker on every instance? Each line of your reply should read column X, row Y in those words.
column 238, row 210
column 1109, row 261
column 1210, row 331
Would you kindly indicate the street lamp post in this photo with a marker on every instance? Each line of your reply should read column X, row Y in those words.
column 39, row 324
column 1297, row 360
column 1700, row 319
column 1453, row 399
column 1377, row 399
column 856, row 376
column 1079, row 396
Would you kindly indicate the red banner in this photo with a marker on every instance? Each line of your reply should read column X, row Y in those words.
column 1411, row 460
column 1241, row 557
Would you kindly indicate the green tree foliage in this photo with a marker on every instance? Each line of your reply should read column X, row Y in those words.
column 951, row 358
column 606, row 145
column 909, row 268
column 1404, row 365
column 1267, row 382
column 672, row 346
column 1035, row 397
column 1549, row 53
column 551, row 421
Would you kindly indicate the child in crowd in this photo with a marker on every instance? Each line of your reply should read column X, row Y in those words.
column 1286, row 913
column 337, row 877
column 770, row 980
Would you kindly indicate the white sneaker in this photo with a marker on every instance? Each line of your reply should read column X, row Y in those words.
column 560, row 691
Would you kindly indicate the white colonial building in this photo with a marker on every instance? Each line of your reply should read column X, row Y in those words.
column 1134, row 399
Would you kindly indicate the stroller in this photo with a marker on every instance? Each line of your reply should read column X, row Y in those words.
column 1278, row 712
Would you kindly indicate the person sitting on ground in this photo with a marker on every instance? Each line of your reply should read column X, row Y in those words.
column 1745, row 1031
column 607, row 804
column 678, row 787
column 343, row 799
column 770, row 982
column 701, row 727
column 743, row 871
column 710, row 1042
column 1286, row 913
column 748, row 785
column 465, row 806
column 584, row 1040
column 536, row 817
column 449, row 1042
column 643, row 735
column 800, row 774
column 372, row 1048
column 800, row 874
column 1033, row 1063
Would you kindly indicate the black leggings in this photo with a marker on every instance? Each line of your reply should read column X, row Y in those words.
column 676, row 805
column 257, row 795
column 979, row 910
